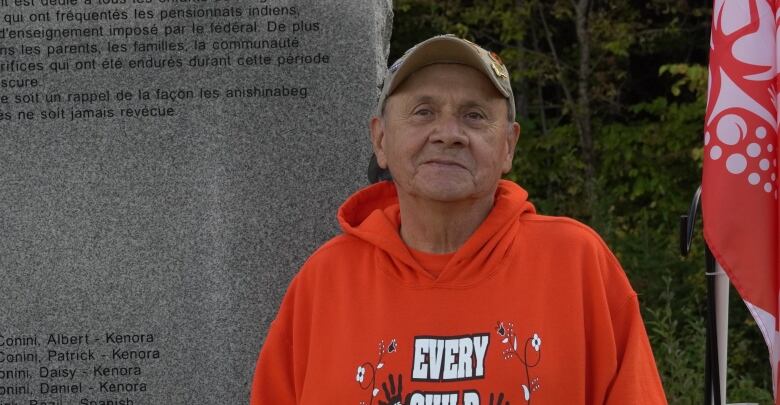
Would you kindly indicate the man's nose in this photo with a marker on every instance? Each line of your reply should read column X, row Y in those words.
column 450, row 131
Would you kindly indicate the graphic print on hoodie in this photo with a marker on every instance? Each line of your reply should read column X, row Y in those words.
column 449, row 359
column 530, row 310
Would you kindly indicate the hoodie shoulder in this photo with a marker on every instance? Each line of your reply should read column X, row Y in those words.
column 336, row 254
column 563, row 235
column 563, row 230
column 338, row 245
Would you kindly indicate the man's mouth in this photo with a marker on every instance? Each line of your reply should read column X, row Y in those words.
column 445, row 162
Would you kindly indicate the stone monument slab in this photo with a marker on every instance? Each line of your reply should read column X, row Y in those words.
column 165, row 168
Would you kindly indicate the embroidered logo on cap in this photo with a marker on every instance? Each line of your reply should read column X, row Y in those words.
column 499, row 70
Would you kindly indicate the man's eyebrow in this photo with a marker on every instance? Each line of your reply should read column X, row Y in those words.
column 427, row 98
column 433, row 98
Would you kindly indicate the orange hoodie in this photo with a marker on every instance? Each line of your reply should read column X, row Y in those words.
column 530, row 310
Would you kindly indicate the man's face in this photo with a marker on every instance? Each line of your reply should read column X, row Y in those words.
column 444, row 135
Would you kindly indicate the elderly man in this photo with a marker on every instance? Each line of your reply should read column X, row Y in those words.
column 446, row 287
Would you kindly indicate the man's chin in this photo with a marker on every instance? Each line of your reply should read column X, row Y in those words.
column 447, row 193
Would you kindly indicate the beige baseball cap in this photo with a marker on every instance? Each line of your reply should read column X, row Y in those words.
column 447, row 49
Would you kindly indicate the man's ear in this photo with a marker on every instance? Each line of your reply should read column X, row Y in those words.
column 513, row 135
column 378, row 141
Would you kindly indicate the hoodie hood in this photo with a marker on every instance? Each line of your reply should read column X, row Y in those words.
column 373, row 215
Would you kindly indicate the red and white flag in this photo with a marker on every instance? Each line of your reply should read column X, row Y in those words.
column 739, row 191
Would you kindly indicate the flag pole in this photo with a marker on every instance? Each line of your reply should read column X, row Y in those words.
column 717, row 330
column 715, row 359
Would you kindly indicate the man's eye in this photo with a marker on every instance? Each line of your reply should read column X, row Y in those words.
column 423, row 112
column 475, row 115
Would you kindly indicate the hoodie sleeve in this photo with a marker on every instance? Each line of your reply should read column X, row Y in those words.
column 275, row 381
column 636, row 380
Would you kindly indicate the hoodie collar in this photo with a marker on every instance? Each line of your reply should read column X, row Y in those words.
column 373, row 215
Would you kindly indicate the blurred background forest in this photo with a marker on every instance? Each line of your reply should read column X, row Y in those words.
column 611, row 98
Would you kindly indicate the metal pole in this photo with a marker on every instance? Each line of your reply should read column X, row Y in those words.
column 712, row 392
column 715, row 360
column 722, row 316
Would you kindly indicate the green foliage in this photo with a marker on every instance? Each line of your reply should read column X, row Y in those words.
column 646, row 90
column 691, row 77
column 679, row 360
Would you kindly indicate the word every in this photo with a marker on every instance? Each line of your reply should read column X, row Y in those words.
column 449, row 358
